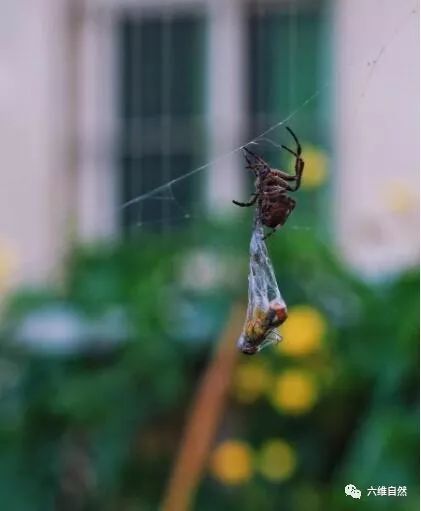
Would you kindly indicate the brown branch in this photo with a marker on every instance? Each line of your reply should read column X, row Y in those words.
column 206, row 412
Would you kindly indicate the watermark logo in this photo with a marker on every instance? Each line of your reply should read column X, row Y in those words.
column 377, row 491
column 352, row 491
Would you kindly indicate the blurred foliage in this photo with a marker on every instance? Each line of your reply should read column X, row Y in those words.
column 97, row 424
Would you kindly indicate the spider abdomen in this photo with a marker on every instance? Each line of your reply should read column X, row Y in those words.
column 275, row 211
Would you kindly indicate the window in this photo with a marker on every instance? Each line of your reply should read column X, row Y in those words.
column 162, row 100
column 164, row 94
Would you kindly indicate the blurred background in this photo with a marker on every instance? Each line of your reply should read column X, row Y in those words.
column 120, row 384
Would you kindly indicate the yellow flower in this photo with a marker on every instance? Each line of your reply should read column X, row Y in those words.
column 316, row 165
column 251, row 379
column 277, row 460
column 294, row 392
column 231, row 462
column 302, row 332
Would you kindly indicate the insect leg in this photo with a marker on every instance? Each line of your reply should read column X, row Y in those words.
column 294, row 136
column 299, row 167
column 256, row 157
column 247, row 204
column 299, row 163
column 281, row 183
column 266, row 236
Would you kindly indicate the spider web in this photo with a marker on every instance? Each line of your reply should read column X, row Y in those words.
column 166, row 186
column 165, row 191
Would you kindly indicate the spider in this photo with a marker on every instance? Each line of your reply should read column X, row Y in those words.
column 271, row 187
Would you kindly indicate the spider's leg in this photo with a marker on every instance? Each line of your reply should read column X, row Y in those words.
column 282, row 179
column 299, row 163
column 298, row 151
column 266, row 236
column 246, row 204
column 253, row 166
column 249, row 162
column 285, row 176
column 294, row 136
column 299, row 167
column 256, row 157
column 250, row 153
column 290, row 151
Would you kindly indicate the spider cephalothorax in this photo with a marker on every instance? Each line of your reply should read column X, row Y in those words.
column 271, row 187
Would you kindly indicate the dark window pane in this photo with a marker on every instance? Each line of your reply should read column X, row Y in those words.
column 162, row 107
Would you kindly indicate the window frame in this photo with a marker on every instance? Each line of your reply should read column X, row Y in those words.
column 98, row 188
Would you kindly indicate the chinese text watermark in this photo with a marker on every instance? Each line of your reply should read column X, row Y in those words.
column 377, row 491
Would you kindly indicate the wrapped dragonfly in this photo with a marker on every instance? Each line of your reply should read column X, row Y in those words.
column 266, row 309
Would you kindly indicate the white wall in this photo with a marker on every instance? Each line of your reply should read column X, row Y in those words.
column 32, row 129
column 377, row 133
